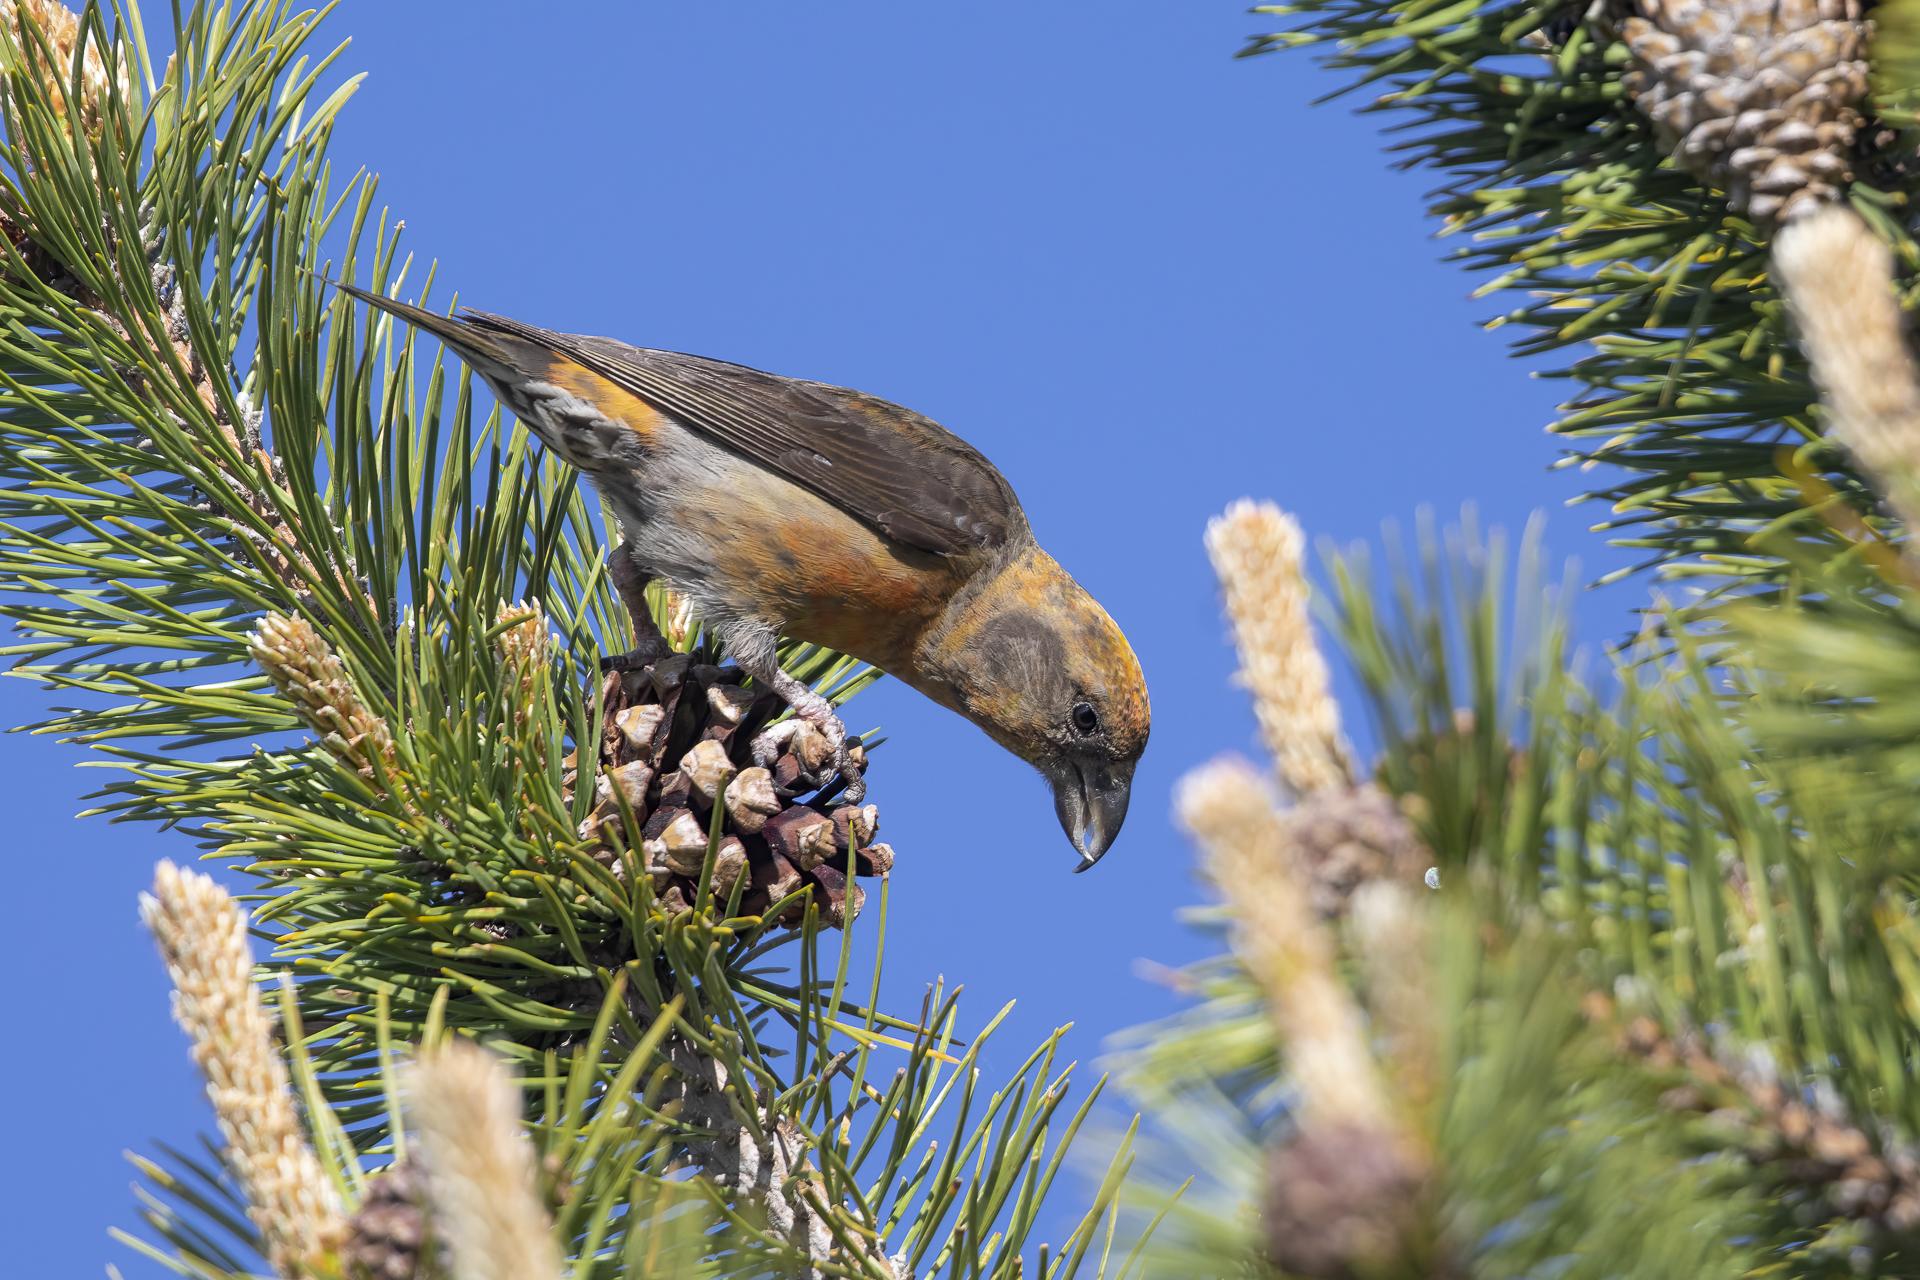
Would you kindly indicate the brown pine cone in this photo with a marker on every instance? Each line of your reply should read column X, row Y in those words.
column 387, row 1238
column 1343, row 1200
column 1344, row 838
column 1759, row 98
column 1805, row 1137
column 679, row 741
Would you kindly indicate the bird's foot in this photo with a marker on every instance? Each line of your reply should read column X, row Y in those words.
column 853, row 782
column 648, row 651
column 649, row 646
column 775, row 739
column 818, row 743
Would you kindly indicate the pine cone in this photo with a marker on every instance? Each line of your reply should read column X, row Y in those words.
column 679, row 739
column 1347, row 837
column 1342, row 1201
column 1805, row 1137
column 387, row 1239
column 1759, row 98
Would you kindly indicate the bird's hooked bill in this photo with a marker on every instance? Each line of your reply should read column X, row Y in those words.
column 1091, row 799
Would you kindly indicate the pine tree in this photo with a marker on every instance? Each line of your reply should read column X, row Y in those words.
column 1610, row 976
column 1567, row 975
column 547, row 991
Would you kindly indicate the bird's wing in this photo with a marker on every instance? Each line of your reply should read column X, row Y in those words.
column 901, row 473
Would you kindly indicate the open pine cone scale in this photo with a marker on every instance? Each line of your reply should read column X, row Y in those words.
column 678, row 741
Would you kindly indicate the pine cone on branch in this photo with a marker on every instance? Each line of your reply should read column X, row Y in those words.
column 388, row 1237
column 1349, row 837
column 1344, row 1201
column 1805, row 1136
column 1758, row 98
column 678, row 743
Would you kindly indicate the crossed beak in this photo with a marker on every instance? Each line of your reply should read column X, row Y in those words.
column 1091, row 798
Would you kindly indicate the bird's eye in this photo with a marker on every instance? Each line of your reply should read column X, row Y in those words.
column 1084, row 718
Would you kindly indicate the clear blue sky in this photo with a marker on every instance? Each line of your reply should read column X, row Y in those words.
column 1143, row 277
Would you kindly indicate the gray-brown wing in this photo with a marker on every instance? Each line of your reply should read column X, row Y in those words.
column 895, row 470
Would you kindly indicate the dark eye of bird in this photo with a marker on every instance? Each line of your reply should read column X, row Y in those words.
column 1084, row 718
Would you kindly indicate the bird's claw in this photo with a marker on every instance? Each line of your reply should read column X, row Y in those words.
column 853, row 781
column 778, row 739
column 768, row 744
column 643, row 655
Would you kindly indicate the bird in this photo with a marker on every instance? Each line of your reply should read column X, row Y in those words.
column 783, row 507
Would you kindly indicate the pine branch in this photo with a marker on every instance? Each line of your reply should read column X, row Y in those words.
column 1688, row 387
column 262, row 554
column 1723, row 851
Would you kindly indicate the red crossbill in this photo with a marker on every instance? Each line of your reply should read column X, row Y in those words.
column 784, row 507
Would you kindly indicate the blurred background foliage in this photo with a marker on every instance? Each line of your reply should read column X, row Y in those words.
column 1667, row 1013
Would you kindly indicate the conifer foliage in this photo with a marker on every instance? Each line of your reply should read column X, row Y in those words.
column 1651, row 1009
column 1570, row 975
column 338, row 626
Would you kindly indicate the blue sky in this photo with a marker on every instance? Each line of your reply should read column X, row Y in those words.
column 1143, row 277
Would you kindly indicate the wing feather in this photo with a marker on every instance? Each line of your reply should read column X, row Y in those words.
column 895, row 470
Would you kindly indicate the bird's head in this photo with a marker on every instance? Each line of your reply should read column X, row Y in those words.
column 1034, row 660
